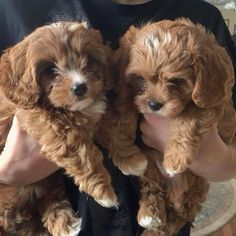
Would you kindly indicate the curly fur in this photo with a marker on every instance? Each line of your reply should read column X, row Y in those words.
column 39, row 80
column 177, row 70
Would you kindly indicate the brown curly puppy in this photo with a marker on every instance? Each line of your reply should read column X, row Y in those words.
column 177, row 70
column 55, row 81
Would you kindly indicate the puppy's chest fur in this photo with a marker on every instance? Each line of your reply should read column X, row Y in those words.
column 61, row 121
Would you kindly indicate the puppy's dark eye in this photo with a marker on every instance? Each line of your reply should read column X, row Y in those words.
column 92, row 61
column 91, row 67
column 50, row 69
column 176, row 81
column 137, row 84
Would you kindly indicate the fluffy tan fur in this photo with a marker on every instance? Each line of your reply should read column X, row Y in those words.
column 177, row 70
column 55, row 81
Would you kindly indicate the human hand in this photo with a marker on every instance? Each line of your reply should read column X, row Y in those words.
column 155, row 131
column 214, row 161
column 20, row 161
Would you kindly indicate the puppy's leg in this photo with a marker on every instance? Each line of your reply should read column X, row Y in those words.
column 56, row 212
column 152, row 212
column 19, row 212
column 91, row 176
column 127, row 156
column 58, row 216
column 187, row 132
column 72, row 148
column 179, row 187
column 118, row 135
column 186, row 194
column 87, row 169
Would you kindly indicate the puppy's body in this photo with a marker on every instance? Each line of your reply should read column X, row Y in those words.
column 55, row 81
column 38, row 209
column 175, row 69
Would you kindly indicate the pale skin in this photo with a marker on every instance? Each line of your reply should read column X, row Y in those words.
column 21, row 162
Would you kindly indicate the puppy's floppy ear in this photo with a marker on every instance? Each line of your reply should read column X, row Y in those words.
column 129, row 37
column 108, row 69
column 121, row 55
column 106, row 59
column 18, row 77
column 214, row 76
column 90, row 42
column 121, row 60
column 103, row 54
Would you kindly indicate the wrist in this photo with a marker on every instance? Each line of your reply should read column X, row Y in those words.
column 216, row 163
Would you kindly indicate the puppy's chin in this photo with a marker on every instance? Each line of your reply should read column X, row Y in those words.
column 90, row 106
column 81, row 104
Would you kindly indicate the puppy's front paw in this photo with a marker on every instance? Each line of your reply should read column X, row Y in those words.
column 150, row 223
column 63, row 222
column 134, row 165
column 108, row 198
column 74, row 229
column 152, row 211
column 174, row 166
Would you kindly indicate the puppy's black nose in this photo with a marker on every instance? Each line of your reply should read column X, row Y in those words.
column 79, row 89
column 154, row 105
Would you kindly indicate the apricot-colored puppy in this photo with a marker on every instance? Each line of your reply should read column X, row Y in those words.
column 55, row 81
column 177, row 70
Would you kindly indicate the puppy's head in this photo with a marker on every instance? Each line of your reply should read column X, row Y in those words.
column 175, row 63
column 64, row 64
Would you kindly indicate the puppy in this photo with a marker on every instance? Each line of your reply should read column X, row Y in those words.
column 55, row 81
column 187, row 77
column 177, row 70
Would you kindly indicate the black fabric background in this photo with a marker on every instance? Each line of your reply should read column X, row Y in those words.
column 20, row 17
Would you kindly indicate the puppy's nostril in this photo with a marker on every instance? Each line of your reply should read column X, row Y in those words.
column 79, row 89
column 155, row 106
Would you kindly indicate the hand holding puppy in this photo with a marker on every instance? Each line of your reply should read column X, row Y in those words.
column 211, row 158
column 21, row 162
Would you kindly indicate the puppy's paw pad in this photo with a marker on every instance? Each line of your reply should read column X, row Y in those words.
column 150, row 223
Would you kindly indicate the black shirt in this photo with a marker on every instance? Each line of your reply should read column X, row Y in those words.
column 20, row 17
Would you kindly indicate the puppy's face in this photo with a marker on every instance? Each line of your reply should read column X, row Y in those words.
column 164, row 88
column 63, row 64
column 171, row 64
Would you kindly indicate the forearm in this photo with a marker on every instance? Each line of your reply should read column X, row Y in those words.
column 19, row 173
column 215, row 161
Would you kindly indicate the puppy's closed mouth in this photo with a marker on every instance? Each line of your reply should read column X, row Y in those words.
column 81, row 104
column 90, row 105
